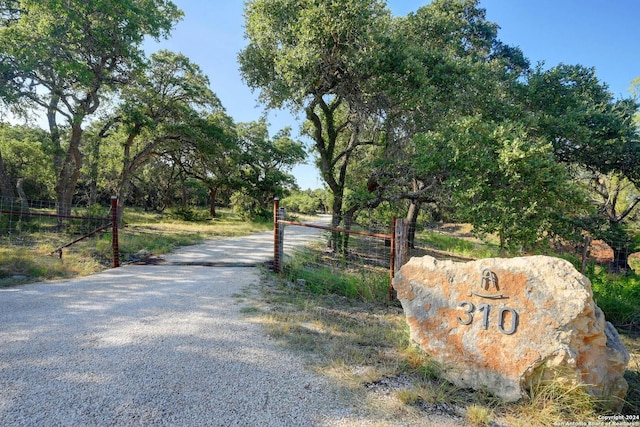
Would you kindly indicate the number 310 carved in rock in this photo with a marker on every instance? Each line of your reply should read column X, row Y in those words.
column 503, row 315
column 490, row 280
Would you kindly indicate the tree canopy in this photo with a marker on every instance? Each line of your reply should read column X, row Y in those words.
column 434, row 108
column 425, row 111
column 61, row 57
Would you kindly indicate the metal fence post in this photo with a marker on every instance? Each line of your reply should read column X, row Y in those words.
column 281, row 216
column 276, row 252
column 114, row 231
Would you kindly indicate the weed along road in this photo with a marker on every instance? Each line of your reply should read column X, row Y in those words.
column 155, row 345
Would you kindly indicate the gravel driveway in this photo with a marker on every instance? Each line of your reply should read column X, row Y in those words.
column 162, row 345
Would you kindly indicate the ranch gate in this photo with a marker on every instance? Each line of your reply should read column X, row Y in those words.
column 396, row 239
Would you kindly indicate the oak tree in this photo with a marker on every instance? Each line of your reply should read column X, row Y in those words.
column 60, row 57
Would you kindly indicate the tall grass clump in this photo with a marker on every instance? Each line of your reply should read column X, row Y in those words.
column 552, row 403
column 360, row 283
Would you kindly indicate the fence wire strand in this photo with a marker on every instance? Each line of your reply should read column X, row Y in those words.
column 37, row 222
column 338, row 252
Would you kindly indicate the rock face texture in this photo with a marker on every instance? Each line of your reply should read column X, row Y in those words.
column 501, row 324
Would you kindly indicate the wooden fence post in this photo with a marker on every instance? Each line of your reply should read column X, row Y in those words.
column 401, row 234
column 399, row 249
column 392, row 259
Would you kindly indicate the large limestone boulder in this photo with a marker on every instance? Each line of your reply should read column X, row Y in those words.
column 499, row 324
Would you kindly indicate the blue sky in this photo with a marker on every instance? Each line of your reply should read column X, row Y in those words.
column 594, row 33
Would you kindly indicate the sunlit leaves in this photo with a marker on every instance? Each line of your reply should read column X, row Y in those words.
column 299, row 48
column 502, row 179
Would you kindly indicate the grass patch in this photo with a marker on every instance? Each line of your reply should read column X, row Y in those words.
column 617, row 296
column 479, row 415
column 361, row 344
column 457, row 245
column 20, row 265
column 553, row 403
column 250, row 310
column 323, row 274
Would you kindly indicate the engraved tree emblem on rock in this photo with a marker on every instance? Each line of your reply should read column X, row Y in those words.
column 489, row 287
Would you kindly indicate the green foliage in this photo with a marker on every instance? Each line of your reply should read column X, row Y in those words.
column 464, row 124
column 502, row 180
column 307, row 202
column 27, row 155
column 298, row 48
column 319, row 59
column 578, row 114
column 360, row 284
column 265, row 163
column 64, row 56
column 244, row 204
column 617, row 295
column 188, row 213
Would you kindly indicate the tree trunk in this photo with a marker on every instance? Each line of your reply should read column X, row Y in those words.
column 93, row 173
column 412, row 219
column 348, row 220
column 213, row 192
column 69, row 173
column 183, row 191
column 336, row 218
column 125, row 173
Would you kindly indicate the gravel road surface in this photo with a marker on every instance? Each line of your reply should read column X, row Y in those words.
column 161, row 345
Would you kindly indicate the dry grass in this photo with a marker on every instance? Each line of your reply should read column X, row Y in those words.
column 479, row 415
column 365, row 348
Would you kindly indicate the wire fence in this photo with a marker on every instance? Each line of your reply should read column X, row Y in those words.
column 41, row 224
column 376, row 249
column 457, row 242
column 362, row 254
